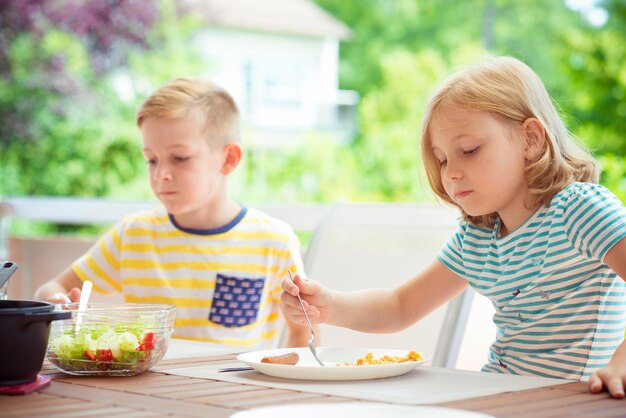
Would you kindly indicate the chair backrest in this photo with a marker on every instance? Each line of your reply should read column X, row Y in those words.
column 360, row 246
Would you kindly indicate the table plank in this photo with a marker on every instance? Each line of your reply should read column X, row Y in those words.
column 251, row 398
column 186, row 390
column 220, row 395
column 16, row 407
column 571, row 399
column 63, row 408
column 141, row 402
column 89, row 411
column 552, row 406
column 142, row 380
column 509, row 398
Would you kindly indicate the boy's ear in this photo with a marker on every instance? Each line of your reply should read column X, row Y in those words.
column 232, row 157
column 535, row 137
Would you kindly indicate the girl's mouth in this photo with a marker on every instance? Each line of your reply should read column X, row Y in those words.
column 462, row 194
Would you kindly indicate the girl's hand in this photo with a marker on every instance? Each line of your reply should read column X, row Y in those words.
column 315, row 298
column 611, row 377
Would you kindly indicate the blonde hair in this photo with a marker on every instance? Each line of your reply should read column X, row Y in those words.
column 199, row 99
column 509, row 89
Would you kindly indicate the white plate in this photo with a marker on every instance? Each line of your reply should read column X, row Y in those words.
column 356, row 409
column 308, row 369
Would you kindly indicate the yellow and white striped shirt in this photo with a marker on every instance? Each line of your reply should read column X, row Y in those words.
column 225, row 282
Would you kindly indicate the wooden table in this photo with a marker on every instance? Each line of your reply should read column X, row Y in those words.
column 156, row 394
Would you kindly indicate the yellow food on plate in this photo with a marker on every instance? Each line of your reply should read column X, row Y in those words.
column 369, row 359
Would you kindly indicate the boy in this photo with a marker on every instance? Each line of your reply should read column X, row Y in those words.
column 220, row 263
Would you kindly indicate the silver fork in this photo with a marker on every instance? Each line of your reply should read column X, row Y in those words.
column 312, row 339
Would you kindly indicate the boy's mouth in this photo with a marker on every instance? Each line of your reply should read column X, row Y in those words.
column 165, row 194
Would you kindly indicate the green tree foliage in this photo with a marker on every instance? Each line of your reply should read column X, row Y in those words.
column 316, row 170
column 594, row 61
column 62, row 129
column 390, row 124
column 66, row 138
column 400, row 49
column 530, row 30
column 66, row 130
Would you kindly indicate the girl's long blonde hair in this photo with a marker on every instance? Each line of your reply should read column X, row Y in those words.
column 508, row 88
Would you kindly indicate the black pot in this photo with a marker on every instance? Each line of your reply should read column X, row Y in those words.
column 24, row 332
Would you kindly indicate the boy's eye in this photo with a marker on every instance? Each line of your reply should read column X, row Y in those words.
column 180, row 159
column 150, row 161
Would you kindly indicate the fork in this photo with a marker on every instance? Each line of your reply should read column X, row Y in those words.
column 312, row 339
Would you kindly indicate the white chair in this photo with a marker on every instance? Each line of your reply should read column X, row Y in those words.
column 360, row 246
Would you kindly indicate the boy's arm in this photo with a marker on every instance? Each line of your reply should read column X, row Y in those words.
column 612, row 377
column 63, row 288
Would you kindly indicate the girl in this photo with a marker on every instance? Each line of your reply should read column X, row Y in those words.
column 539, row 237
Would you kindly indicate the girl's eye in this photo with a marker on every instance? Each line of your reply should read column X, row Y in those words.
column 443, row 163
column 151, row 161
column 180, row 159
column 471, row 151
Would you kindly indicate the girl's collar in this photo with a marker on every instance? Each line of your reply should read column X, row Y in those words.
column 498, row 226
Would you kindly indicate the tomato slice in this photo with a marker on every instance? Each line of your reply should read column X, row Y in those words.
column 105, row 355
column 89, row 355
column 148, row 342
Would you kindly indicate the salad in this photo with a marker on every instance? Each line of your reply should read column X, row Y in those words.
column 122, row 348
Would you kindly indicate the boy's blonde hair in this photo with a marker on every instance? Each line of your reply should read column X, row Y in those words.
column 199, row 99
column 509, row 89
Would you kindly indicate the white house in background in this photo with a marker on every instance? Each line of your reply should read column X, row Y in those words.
column 279, row 59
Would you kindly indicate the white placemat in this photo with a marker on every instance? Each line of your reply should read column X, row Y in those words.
column 178, row 348
column 424, row 385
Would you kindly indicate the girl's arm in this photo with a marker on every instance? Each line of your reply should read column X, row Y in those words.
column 613, row 376
column 375, row 310
column 298, row 334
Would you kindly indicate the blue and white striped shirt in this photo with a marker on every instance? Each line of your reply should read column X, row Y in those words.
column 559, row 310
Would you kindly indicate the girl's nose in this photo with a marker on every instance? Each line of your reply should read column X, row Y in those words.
column 453, row 173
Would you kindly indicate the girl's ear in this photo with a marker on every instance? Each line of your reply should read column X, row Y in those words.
column 535, row 136
column 232, row 157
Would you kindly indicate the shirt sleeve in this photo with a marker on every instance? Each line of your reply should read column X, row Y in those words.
column 100, row 264
column 594, row 219
column 451, row 254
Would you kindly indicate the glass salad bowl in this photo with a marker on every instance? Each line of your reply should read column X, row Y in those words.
column 121, row 339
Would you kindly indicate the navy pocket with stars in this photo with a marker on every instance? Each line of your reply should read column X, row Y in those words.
column 236, row 301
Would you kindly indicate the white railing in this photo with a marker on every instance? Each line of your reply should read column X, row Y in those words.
column 100, row 211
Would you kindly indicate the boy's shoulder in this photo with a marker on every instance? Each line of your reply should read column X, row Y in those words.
column 264, row 221
column 153, row 216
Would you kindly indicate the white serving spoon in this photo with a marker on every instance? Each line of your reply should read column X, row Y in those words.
column 82, row 303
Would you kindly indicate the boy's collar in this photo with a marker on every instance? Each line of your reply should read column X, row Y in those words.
column 213, row 231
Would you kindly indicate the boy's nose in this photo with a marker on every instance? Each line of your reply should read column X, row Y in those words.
column 162, row 173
